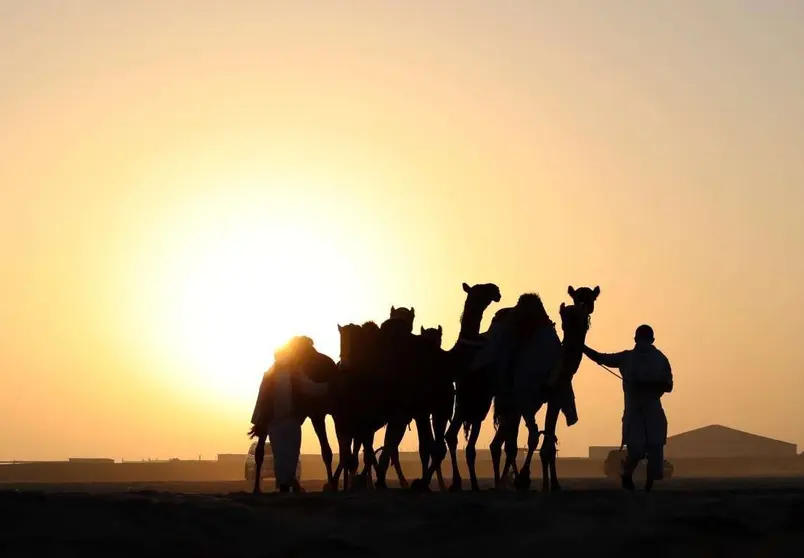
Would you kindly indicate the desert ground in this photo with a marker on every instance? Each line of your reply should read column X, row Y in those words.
column 592, row 517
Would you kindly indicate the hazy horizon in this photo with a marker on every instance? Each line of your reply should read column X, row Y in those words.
column 187, row 184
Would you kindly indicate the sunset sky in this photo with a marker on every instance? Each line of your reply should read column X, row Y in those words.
column 186, row 183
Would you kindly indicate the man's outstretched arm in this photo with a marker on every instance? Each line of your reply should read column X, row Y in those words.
column 613, row 360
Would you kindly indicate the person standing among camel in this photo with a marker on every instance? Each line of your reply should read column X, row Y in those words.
column 646, row 375
column 274, row 415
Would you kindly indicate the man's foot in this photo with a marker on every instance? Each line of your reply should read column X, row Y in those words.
column 284, row 488
column 628, row 483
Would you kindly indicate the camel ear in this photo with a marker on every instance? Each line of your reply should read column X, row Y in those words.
column 562, row 306
column 393, row 309
column 412, row 311
column 466, row 288
column 340, row 328
column 439, row 330
column 422, row 329
column 571, row 291
column 596, row 291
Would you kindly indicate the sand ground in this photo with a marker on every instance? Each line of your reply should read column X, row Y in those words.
column 683, row 517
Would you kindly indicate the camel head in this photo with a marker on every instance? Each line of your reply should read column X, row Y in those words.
column 405, row 315
column 584, row 297
column 433, row 335
column 350, row 341
column 482, row 294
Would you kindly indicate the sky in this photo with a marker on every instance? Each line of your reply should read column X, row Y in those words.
column 186, row 183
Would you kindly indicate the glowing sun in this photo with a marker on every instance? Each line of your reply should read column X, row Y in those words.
column 240, row 292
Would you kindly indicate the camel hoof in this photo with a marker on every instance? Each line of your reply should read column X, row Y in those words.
column 404, row 484
column 418, row 486
column 329, row 487
column 456, row 485
column 475, row 487
column 380, row 484
column 555, row 487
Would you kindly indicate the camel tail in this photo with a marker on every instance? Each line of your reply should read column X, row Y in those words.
column 256, row 432
column 467, row 426
column 496, row 415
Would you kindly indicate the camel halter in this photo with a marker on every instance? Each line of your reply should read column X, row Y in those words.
column 610, row 371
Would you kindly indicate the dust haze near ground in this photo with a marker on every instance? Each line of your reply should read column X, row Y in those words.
column 683, row 517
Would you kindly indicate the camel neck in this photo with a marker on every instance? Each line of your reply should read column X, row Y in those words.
column 470, row 321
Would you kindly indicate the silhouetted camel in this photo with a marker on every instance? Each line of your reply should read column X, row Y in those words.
column 575, row 321
column 362, row 401
column 419, row 390
column 522, row 391
column 435, row 335
column 398, row 389
column 319, row 368
column 472, row 393
column 523, row 349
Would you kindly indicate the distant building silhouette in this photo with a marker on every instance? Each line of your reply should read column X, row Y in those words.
column 721, row 441
column 232, row 457
column 714, row 441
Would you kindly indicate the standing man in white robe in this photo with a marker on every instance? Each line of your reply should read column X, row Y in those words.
column 646, row 377
column 274, row 416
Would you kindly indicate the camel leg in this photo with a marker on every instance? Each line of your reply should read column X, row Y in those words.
column 403, row 482
column 350, row 465
column 344, row 457
column 259, row 457
column 361, row 478
column 523, row 478
column 320, row 427
column 495, row 448
column 442, row 485
column 533, row 440
column 451, row 438
column 357, row 443
column 394, row 432
column 369, row 462
column 511, row 432
column 439, row 449
column 471, row 454
column 547, row 453
column 425, row 434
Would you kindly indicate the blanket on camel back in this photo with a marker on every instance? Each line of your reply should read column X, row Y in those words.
column 526, row 366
